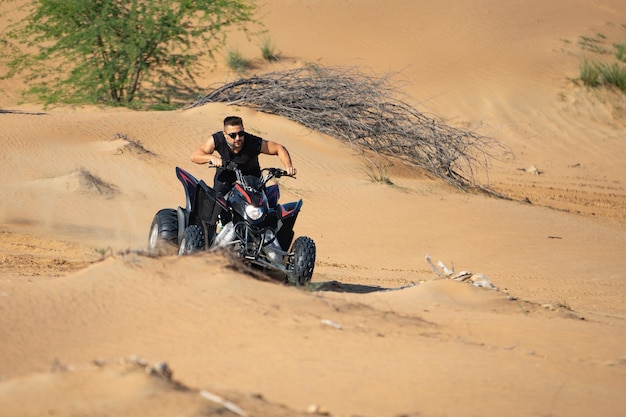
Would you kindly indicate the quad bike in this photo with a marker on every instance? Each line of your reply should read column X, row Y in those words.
column 253, row 223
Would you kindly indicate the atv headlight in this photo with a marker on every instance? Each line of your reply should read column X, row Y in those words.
column 254, row 213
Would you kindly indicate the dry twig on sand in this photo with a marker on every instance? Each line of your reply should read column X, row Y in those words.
column 366, row 111
column 477, row 280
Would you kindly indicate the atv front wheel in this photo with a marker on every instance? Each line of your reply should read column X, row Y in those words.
column 302, row 261
column 163, row 231
column 192, row 241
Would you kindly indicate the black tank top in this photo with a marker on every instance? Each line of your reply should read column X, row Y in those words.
column 247, row 159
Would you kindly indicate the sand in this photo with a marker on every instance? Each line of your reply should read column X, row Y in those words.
column 91, row 325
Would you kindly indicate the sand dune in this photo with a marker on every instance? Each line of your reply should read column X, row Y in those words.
column 88, row 319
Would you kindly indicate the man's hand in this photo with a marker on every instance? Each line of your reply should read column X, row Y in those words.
column 291, row 171
column 216, row 162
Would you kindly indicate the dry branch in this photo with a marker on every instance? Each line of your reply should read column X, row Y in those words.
column 365, row 111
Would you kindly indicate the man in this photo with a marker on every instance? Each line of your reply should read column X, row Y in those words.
column 236, row 145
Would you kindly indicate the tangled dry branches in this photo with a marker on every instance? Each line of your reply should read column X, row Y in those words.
column 366, row 111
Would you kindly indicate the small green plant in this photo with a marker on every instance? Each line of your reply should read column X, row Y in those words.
column 237, row 62
column 593, row 44
column 614, row 74
column 268, row 51
column 104, row 252
column 620, row 53
column 601, row 72
column 594, row 74
column 589, row 74
column 377, row 172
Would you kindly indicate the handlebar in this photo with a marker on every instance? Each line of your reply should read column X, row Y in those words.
column 270, row 173
column 274, row 172
column 277, row 172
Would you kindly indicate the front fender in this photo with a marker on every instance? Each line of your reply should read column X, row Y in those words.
column 288, row 210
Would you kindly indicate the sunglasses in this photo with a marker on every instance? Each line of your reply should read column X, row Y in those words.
column 233, row 135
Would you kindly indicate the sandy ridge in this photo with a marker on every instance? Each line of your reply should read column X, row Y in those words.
column 378, row 334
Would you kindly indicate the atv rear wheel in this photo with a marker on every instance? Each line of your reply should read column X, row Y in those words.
column 302, row 261
column 163, row 231
column 192, row 241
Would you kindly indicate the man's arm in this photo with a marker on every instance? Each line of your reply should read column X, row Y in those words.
column 272, row 148
column 204, row 154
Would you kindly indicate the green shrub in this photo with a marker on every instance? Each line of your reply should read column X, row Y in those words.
column 590, row 74
column 110, row 51
column 236, row 61
column 268, row 51
column 614, row 74
column 595, row 74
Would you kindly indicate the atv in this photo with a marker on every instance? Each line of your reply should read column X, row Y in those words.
column 252, row 223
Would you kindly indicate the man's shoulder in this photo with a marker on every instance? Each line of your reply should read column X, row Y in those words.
column 219, row 139
column 254, row 141
column 253, row 137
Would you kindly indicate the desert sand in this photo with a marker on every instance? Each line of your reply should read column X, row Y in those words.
column 92, row 326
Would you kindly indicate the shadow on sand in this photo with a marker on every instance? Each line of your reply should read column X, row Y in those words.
column 336, row 286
